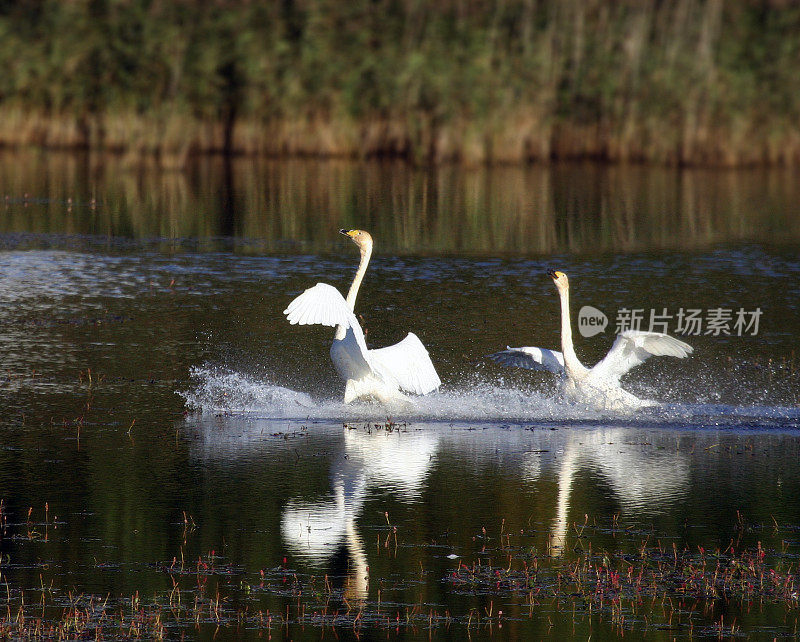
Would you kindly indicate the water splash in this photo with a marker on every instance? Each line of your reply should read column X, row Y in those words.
column 223, row 391
column 218, row 390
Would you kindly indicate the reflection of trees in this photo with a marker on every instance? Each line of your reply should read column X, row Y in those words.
column 296, row 204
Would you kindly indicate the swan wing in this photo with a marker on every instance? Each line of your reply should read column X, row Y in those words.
column 407, row 364
column 634, row 347
column 324, row 305
column 321, row 305
column 530, row 358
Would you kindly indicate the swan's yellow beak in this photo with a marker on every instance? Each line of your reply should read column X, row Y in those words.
column 350, row 233
column 554, row 274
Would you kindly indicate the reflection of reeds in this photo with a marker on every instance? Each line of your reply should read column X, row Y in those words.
column 531, row 210
column 679, row 82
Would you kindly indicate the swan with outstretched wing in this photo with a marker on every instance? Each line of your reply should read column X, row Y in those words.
column 381, row 373
column 599, row 385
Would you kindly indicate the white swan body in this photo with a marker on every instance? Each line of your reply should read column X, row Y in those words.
column 380, row 374
column 598, row 386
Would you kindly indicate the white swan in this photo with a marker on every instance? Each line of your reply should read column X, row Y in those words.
column 599, row 385
column 380, row 374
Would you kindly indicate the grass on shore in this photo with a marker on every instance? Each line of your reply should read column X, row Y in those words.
column 676, row 82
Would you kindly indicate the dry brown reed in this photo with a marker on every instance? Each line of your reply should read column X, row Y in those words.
column 523, row 136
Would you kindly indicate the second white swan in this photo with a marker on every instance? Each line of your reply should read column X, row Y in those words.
column 600, row 385
column 378, row 374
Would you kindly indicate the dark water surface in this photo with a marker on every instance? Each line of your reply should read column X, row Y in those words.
column 176, row 458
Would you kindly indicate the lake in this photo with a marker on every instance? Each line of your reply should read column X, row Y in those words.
column 177, row 460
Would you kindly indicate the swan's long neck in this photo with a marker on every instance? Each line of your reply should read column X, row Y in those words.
column 366, row 253
column 571, row 363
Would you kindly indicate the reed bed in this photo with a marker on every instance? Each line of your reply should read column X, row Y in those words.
column 681, row 82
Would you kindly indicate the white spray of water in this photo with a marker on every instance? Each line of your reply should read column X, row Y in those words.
column 219, row 390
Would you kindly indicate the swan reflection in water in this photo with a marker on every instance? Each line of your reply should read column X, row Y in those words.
column 642, row 470
column 325, row 533
column 642, row 481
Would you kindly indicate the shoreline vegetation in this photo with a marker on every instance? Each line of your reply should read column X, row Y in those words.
column 675, row 82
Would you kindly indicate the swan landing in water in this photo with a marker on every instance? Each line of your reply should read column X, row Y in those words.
column 598, row 386
column 378, row 374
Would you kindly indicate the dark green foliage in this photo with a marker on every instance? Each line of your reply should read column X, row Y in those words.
column 660, row 69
